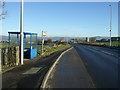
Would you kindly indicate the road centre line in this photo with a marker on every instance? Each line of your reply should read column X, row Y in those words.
column 104, row 52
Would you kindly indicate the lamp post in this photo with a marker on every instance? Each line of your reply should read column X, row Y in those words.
column 21, row 32
column 110, row 23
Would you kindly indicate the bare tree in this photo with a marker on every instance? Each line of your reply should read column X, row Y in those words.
column 39, row 41
column 49, row 41
column 2, row 6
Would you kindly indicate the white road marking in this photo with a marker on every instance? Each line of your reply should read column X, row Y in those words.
column 33, row 70
column 104, row 52
column 50, row 70
column 107, row 52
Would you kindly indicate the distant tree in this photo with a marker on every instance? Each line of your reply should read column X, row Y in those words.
column 49, row 41
column 62, row 38
column 92, row 39
column 80, row 41
column 39, row 41
column 2, row 13
column 56, row 42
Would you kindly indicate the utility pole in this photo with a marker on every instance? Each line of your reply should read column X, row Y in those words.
column 21, row 32
column 110, row 23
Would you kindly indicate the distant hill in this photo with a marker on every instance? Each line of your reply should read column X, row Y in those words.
column 101, row 37
column 58, row 38
column 5, row 38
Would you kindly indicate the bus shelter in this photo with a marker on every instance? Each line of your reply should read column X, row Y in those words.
column 30, row 43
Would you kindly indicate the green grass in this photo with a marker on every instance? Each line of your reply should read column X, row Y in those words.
column 46, row 50
column 53, row 49
column 2, row 45
column 114, row 43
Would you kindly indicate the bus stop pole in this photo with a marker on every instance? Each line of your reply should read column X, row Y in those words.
column 36, row 43
column 21, row 33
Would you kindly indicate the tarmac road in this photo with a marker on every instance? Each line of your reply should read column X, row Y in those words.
column 100, row 68
column 102, row 64
column 89, row 67
column 70, row 72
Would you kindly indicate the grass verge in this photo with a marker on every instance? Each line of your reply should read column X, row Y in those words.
column 50, row 50
column 114, row 43
column 47, row 52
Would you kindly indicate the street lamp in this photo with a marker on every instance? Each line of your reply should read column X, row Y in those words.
column 21, row 32
column 110, row 22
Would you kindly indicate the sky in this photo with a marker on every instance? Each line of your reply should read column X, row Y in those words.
column 64, row 19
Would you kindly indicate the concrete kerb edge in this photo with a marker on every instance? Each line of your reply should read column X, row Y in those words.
column 43, row 85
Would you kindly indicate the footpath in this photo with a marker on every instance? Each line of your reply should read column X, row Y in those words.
column 69, row 72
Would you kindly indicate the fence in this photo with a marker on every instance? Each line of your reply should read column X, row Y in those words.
column 10, row 56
